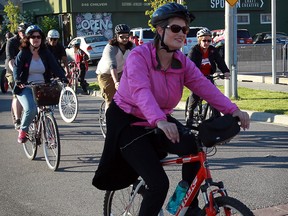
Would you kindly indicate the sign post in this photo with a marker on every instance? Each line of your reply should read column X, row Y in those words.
column 230, row 86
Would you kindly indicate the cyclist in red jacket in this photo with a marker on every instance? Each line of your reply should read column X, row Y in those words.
column 81, row 59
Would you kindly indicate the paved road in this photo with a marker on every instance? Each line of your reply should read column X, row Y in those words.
column 253, row 167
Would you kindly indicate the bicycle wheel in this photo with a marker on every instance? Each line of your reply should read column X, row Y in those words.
column 30, row 147
column 4, row 82
column 68, row 105
column 51, row 146
column 210, row 112
column 186, row 109
column 116, row 202
column 102, row 119
column 230, row 206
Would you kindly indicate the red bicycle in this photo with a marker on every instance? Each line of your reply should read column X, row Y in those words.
column 74, row 75
column 215, row 198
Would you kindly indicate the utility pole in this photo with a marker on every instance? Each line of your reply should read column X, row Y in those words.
column 231, row 48
column 273, row 27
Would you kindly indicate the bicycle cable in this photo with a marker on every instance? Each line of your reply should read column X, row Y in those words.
column 137, row 138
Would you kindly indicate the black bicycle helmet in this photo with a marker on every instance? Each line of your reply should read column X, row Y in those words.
column 122, row 29
column 33, row 28
column 170, row 10
column 22, row 27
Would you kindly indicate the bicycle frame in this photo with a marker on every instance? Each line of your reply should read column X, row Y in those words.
column 203, row 174
column 39, row 122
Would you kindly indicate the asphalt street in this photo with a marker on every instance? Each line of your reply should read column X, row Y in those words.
column 253, row 167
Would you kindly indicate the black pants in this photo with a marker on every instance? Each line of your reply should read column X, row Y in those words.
column 143, row 153
column 82, row 80
column 193, row 101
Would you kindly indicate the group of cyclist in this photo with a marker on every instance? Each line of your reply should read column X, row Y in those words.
column 141, row 86
column 151, row 85
column 31, row 57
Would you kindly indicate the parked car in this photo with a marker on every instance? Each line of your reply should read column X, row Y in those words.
column 92, row 45
column 144, row 35
column 266, row 37
column 243, row 37
column 191, row 39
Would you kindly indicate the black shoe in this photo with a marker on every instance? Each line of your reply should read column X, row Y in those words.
column 193, row 212
column 17, row 124
column 85, row 92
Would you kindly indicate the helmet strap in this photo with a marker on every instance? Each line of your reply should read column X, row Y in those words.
column 163, row 45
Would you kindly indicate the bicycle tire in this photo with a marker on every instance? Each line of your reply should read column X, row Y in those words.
column 186, row 109
column 210, row 112
column 116, row 202
column 68, row 105
column 51, row 145
column 30, row 147
column 225, row 203
column 102, row 119
column 4, row 82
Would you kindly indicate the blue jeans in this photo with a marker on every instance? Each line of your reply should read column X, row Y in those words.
column 29, row 108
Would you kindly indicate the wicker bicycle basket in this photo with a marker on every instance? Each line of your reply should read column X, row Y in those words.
column 46, row 94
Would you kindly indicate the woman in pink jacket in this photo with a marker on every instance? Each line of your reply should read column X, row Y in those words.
column 151, row 86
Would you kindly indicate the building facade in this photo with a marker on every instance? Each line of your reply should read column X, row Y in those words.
column 82, row 17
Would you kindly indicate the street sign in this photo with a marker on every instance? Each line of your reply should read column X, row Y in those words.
column 232, row 2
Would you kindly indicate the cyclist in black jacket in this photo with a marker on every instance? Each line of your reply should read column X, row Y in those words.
column 12, row 49
column 207, row 59
column 3, row 46
column 34, row 64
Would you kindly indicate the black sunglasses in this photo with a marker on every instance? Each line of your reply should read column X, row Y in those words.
column 36, row 36
column 177, row 29
column 53, row 39
column 209, row 41
column 124, row 37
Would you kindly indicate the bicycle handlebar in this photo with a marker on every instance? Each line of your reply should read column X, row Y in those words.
column 217, row 76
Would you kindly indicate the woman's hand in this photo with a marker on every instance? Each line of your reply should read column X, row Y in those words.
column 227, row 75
column 244, row 118
column 116, row 85
column 170, row 130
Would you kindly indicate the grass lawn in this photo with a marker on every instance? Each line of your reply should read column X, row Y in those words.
column 249, row 99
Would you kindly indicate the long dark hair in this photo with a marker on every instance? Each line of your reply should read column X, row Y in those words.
column 25, row 40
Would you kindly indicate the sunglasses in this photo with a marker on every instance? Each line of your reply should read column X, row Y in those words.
column 53, row 39
column 177, row 29
column 124, row 37
column 209, row 41
column 36, row 36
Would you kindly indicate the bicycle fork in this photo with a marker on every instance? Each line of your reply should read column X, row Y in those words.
column 210, row 206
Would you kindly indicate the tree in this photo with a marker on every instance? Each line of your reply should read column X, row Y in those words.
column 13, row 15
column 47, row 23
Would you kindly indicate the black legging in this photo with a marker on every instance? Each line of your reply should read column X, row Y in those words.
column 143, row 155
column 82, row 74
column 193, row 101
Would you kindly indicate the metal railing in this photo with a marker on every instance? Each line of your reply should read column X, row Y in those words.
column 257, row 58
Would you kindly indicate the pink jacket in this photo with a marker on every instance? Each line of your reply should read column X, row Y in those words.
column 150, row 93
